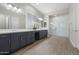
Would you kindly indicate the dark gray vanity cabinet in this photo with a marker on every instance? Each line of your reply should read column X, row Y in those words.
column 40, row 34
column 31, row 37
column 43, row 34
column 4, row 43
column 37, row 35
column 15, row 42
column 23, row 39
column 26, row 38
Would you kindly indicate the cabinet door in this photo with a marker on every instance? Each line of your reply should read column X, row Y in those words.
column 29, row 37
column 15, row 41
column 40, row 35
column 4, row 44
column 43, row 34
column 37, row 35
column 23, row 39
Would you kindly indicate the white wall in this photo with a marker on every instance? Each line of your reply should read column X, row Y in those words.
column 74, row 24
column 59, row 25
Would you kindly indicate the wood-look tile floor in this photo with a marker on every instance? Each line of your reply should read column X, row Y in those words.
column 50, row 46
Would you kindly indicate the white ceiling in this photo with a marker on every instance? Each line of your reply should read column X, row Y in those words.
column 48, row 8
column 4, row 10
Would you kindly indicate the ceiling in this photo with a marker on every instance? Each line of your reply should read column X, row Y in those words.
column 4, row 9
column 48, row 8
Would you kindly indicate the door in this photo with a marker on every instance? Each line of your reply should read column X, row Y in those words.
column 73, row 36
column 73, row 25
column 77, row 24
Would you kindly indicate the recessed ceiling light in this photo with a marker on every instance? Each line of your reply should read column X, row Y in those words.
column 14, row 9
column 9, row 6
column 19, row 11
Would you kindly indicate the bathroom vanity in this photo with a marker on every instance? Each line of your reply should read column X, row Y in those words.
column 13, row 41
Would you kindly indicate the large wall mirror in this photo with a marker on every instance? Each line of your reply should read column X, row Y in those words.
column 3, row 22
column 20, row 22
column 16, row 22
column 34, row 22
column 12, row 22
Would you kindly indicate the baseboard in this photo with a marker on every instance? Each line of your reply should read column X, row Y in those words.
column 72, row 43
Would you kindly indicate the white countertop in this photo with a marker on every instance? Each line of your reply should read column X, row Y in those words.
column 2, row 31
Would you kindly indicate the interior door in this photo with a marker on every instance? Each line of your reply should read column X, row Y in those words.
column 73, row 28
column 77, row 24
column 73, row 35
